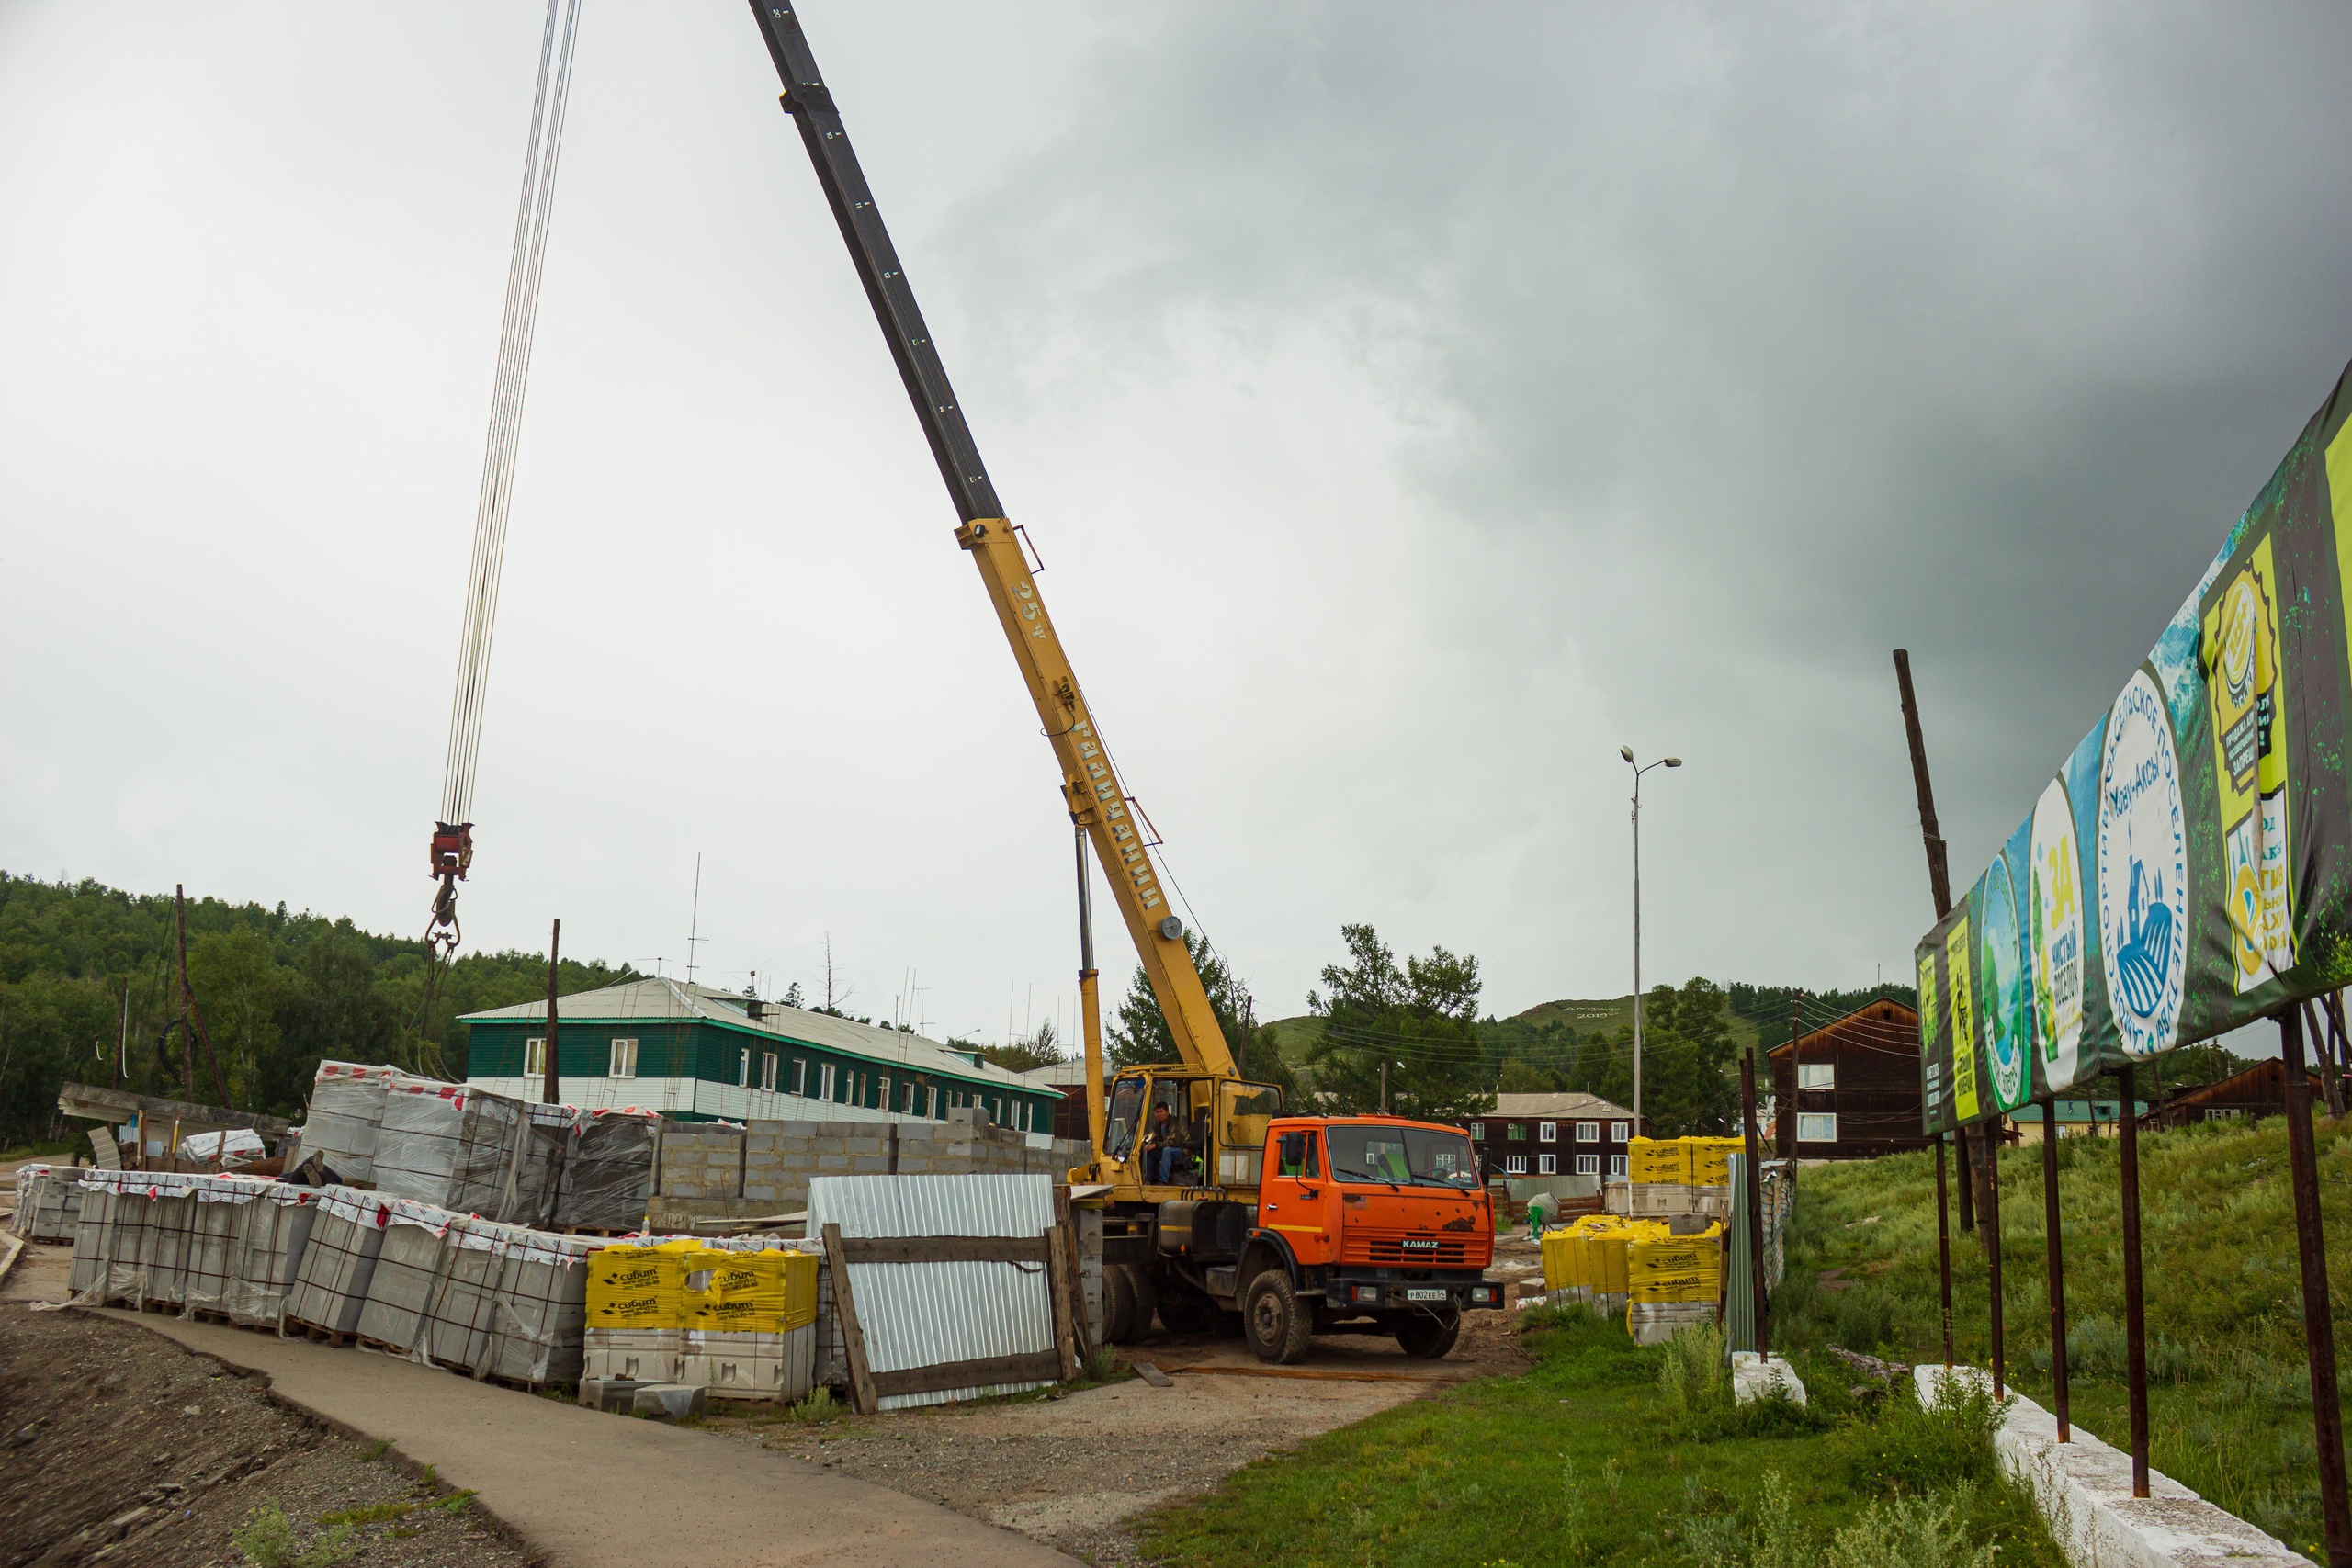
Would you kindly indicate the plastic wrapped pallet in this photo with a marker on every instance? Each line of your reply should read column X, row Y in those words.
column 1654, row 1322
column 421, row 1141
column 465, row 1309
column 751, row 1326
column 1657, row 1160
column 1711, row 1159
column 164, row 1246
column 540, row 1311
column 93, row 1236
column 212, row 1247
column 45, row 1202
column 408, row 1275
column 608, row 1173
column 347, row 1110
column 273, row 1231
column 516, row 1177
column 346, row 1237
column 1676, row 1268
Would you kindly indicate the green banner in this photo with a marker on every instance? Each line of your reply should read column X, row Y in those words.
column 2189, row 869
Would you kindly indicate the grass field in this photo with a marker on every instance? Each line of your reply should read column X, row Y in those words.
column 1608, row 1454
column 2230, row 1398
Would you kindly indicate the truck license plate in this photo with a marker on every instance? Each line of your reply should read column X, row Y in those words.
column 1425, row 1295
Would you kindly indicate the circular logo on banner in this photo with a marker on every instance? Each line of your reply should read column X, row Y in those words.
column 2054, row 897
column 2000, row 981
column 2143, row 870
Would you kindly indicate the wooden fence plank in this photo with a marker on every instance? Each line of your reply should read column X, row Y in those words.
column 1035, row 1366
column 947, row 1249
column 862, row 1383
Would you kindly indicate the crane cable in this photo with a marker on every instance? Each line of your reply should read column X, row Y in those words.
column 452, row 850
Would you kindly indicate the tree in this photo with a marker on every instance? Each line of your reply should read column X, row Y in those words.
column 1021, row 1055
column 1689, row 1079
column 1420, row 1023
column 1138, row 1035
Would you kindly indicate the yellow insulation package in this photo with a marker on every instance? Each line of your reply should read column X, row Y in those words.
column 1657, row 1160
column 1711, row 1159
column 1676, row 1268
column 644, row 1287
column 755, row 1292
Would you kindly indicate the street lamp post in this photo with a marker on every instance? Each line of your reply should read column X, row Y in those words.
column 1627, row 753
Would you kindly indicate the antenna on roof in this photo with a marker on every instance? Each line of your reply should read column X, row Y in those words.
column 695, row 925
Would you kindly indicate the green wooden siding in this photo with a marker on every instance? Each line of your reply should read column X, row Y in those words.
column 711, row 1052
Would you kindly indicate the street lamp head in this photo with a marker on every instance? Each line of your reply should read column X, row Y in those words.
column 1674, row 762
column 1627, row 752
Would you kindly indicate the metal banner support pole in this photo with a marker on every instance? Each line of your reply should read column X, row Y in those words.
column 1993, row 1247
column 2135, row 1350
column 1943, row 1244
column 2057, row 1268
column 2319, row 1325
column 1752, row 1180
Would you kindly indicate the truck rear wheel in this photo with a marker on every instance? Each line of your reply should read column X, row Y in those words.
column 1274, row 1320
column 1118, row 1305
column 1426, row 1335
column 1147, row 1295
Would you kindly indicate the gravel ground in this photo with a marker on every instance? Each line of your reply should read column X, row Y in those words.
column 119, row 1446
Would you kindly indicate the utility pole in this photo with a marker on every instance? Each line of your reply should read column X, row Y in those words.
column 194, row 1016
column 553, row 1092
column 1384, row 1088
column 1939, row 883
column 1627, row 753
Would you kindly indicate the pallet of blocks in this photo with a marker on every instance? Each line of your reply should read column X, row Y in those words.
column 1679, row 1176
column 737, row 1318
column 1586, row 1263
column 1672, row 1282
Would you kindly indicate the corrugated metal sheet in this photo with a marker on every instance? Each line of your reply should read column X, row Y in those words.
column 925, row 1315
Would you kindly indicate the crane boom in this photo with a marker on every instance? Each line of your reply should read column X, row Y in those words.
column 1091, row 786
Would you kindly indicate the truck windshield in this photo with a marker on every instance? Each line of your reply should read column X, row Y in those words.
column 1127, row 1112
column 1420, row 1157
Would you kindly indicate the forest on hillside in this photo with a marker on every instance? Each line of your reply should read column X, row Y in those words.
column 278, row 992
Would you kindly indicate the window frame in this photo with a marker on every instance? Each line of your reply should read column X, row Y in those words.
column 1816, row 1119
column 623, row 1062
column 826, row 1075
column 1478, row 1131
column 800, row 1076
column 1547, row 1164
column 1514, row 1165
column 1547, row 1132
column 535, row 1051
column 767, row 1072
column 1813, row 1076
column 1587, row 1165
column 742, row 1066
column 1619, row 1131
column 1514, row 1132
column 1616, row 1167
column 1587, row 1131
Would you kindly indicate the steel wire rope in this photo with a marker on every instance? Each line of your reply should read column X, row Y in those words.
column 526, row 260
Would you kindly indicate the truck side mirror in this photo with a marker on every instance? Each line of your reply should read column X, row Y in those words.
column 1292, row 1149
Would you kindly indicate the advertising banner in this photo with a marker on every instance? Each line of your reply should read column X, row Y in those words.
column 2189, row 869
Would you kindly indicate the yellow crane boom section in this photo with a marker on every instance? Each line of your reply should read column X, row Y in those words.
column 1098, row 802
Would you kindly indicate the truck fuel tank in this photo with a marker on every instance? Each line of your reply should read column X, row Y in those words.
column 1205, row 1229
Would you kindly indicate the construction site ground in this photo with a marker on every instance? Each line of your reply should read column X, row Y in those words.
column 95, row 1405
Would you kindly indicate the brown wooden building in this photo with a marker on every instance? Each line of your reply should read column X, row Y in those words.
column 2260, row 1091
column 1570, row 1134
column 1850, row 1089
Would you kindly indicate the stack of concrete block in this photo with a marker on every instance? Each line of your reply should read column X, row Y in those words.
column 347, row 1111
column 273, row 1233
column 406, row 1277
column 539, row 1313
column 48, row 1203
column 608, row 1173
column 346, row 1237
column 464, row 1310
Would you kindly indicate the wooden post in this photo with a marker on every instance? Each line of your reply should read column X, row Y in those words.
column 861, row 1377
column 1057, row 1288
column 2338, row 1049
column 1753, row 1181
column 2135, row 1354
column 2057, row 1267
column 1992, row 1251
column 553, row 1092
column 2319, row 1322
column 1943, row 1246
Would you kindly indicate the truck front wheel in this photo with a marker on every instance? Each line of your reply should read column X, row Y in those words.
column 1274, row 1320
column 1427, row 1336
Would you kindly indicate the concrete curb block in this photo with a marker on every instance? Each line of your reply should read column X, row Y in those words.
column 2084, row 1489
column 1751, row 1378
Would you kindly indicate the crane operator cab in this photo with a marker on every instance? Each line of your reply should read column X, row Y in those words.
column 1171, row 1128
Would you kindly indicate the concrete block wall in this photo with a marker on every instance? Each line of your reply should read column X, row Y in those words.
column 763, row 1168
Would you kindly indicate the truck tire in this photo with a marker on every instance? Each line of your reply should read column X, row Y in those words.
column 1146, row 1298
column 1185, row 1308
column 1274, row 1321
column 1118, row 1305
column 1427, row 1336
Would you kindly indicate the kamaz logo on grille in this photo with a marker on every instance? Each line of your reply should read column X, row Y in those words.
column 1425, row 1244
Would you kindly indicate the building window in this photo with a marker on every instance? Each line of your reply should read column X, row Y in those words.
column 1617, row 1132
column 1587, row 1165
column 1617, row 1167
column 1478, row 1131
column 882, row 1099
column 535, row 1058
column 1816, row 1127
column 743, row 1068
column 1587, row 1131
column 624, row 1059
column 1816, row 1075
column 2230, row 1113
column 1547, row 1132
column 934, row 1103
column 1515, row 1133
column 800, row 1075
column 1547, row 1165
column 1514, row 1165
column 767, row 1071
column 825, row 1081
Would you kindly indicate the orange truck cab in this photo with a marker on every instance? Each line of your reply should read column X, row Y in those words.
column 1366, row 1225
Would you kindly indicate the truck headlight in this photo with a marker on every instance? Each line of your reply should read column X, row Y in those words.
column 1364, row 1293
column 1482, row 1293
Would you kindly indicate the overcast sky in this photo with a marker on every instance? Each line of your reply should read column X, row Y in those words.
column 1411, row 405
